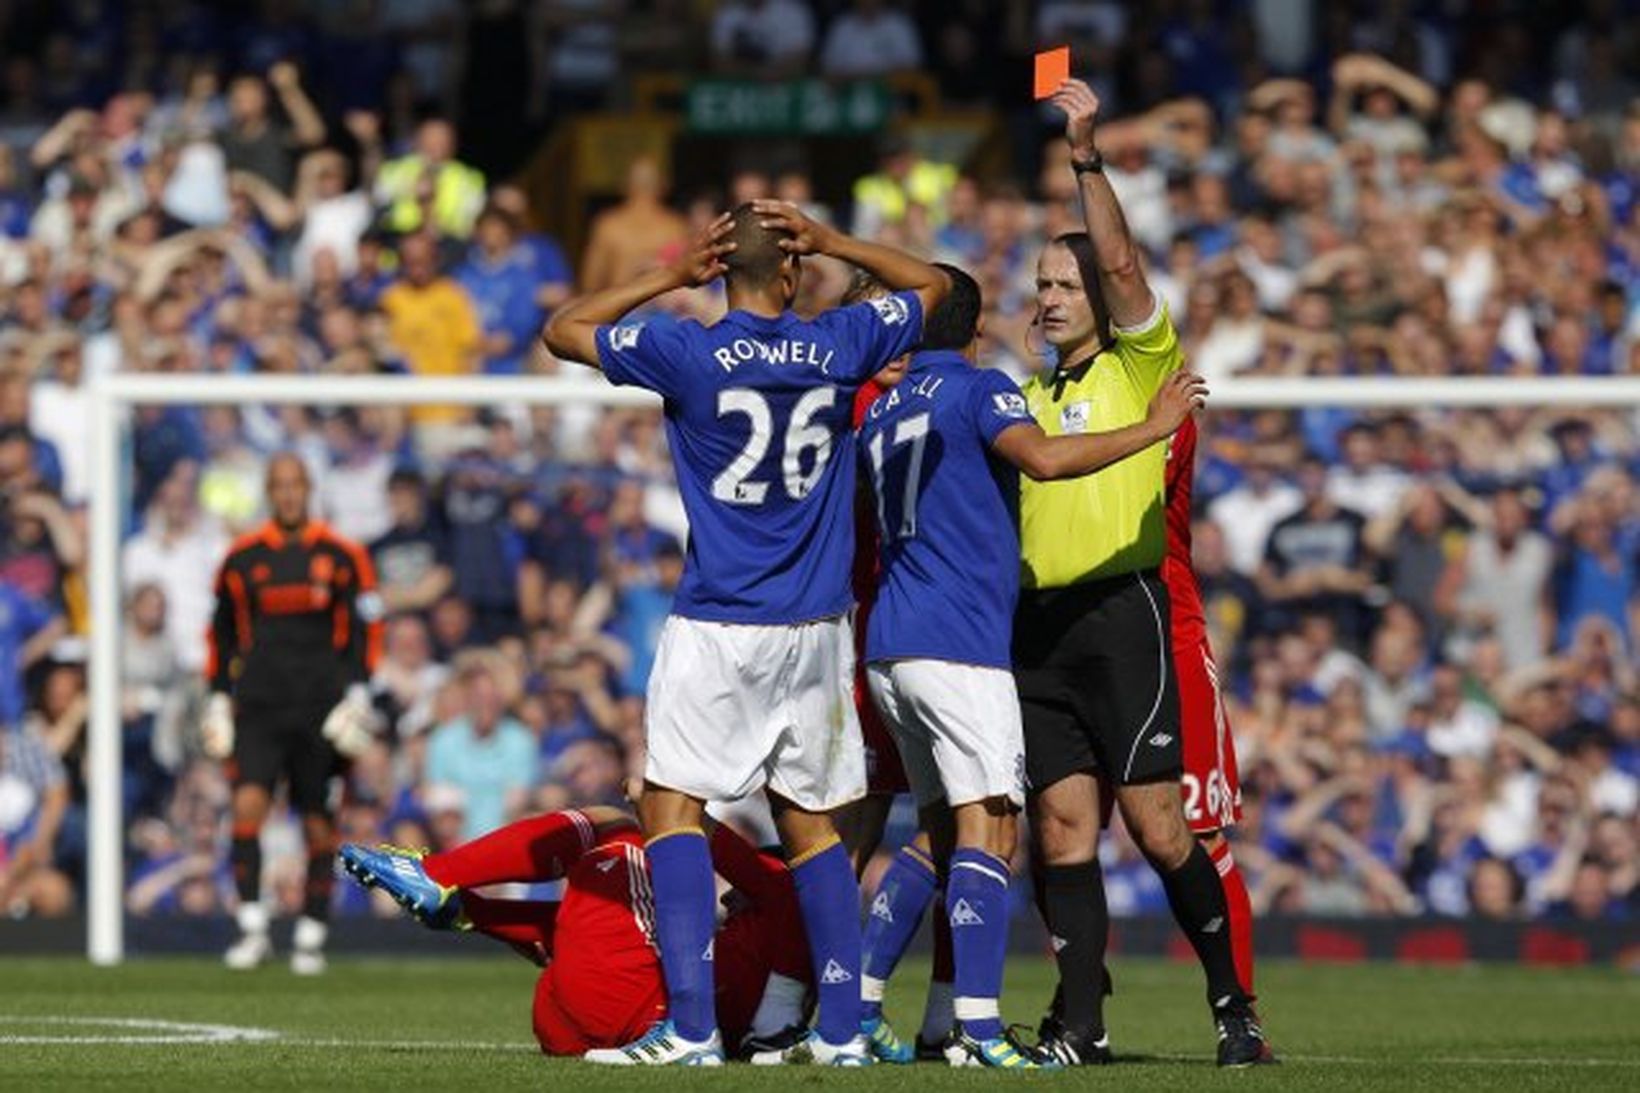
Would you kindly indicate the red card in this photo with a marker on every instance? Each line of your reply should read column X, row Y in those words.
column 1053, row 67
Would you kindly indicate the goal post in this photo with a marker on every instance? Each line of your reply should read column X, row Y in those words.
column 112, row 396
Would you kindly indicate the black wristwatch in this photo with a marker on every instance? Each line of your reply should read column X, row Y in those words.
column 1095, row 164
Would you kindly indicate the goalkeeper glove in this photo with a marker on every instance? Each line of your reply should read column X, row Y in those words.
column 216, row 730
column 351, row 725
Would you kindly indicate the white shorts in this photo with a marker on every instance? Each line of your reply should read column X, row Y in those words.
column 958, row 727
column 735, row 708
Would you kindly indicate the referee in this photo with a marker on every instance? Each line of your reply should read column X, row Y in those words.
column 1091, row 635
column 293, row 643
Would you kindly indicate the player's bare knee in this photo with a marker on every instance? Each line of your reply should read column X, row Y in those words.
column 1155, row 819
column 803, row 832
column 661, row 810
column 1066, row 837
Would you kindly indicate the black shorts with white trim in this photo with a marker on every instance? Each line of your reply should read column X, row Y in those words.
column 1094, row 667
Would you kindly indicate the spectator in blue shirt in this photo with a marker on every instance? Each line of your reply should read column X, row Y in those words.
column 27, row 630
column 641, row 608
column 484, row 553
column 1595, row 578
column 633, row 543
column 487, row 754
column 499, row 277
column 554, row 278
column 16, row 209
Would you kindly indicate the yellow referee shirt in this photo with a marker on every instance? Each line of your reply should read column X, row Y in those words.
column 1114, row 521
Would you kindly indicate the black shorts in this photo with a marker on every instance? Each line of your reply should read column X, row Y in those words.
column 274, row 743
column 1094, row 667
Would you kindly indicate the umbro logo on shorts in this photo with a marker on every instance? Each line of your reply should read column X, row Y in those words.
column 964, row 915
column 711, row 948
column 1160, row 740
column 1211, row 926
column 881, row 909
column 835, row 973
column 1057, row 942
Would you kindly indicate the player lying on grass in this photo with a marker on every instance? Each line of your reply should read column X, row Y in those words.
column 945, row 449
column 601, row 983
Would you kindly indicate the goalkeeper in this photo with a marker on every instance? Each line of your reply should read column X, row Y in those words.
column 293, row 642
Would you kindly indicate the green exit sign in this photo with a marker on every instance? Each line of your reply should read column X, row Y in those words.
column 806, row 107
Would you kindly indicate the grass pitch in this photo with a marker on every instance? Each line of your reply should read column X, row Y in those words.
column 464, row 1024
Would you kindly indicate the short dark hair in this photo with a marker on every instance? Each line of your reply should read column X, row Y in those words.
column 1080, row 244
column 955, row 321
column 757, row 258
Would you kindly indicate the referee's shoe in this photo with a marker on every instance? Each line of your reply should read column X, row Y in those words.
column 1241, row 1040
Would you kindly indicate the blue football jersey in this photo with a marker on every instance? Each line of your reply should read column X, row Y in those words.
column 948, row 511
column 758, row 421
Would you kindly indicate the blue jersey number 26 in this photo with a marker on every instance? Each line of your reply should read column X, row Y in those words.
column 735, row 484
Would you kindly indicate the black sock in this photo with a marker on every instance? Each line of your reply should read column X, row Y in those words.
column 1197, row 899
column 1074, row 900
column 321, row 878
column 245, row 857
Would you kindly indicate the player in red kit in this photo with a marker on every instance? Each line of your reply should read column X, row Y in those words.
column 601, row 984
column 1210, row 784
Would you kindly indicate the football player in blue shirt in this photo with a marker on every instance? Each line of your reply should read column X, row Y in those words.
column 944, row 450
column 751, row 687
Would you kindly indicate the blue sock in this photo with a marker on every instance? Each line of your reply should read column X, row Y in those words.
column 680, row 871
column 907, row 888
column 830, row 899
column 976, row 899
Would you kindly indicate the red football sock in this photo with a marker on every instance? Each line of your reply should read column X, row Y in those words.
column 539, row 848
column 521, row 922
column 945, row 966
column 1236, row 901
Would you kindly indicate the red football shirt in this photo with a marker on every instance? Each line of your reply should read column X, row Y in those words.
column 1178, row 573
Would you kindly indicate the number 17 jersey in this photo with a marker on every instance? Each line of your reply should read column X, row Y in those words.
column 758, row 419
column 948, row 513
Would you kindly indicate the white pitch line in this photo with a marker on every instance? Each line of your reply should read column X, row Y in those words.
column 157, row 1031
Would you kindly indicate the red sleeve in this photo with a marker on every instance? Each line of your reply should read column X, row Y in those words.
column 760, row 877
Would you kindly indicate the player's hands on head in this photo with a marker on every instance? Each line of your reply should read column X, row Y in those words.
column 1181, row 394
column 804, row 234
column 702, row 263
column 1081, row 107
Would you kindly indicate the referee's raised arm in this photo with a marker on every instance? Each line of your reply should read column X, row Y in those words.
column 1121, row 277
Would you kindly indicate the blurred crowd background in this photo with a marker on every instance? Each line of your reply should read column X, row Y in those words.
column 1427, row 617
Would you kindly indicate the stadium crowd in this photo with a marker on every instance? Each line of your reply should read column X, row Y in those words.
column 1428, row 617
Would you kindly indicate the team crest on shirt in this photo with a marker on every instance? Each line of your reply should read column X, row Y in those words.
column 625, row 337
column 891, row 309
column 1011, row 405
column 1074, row 418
